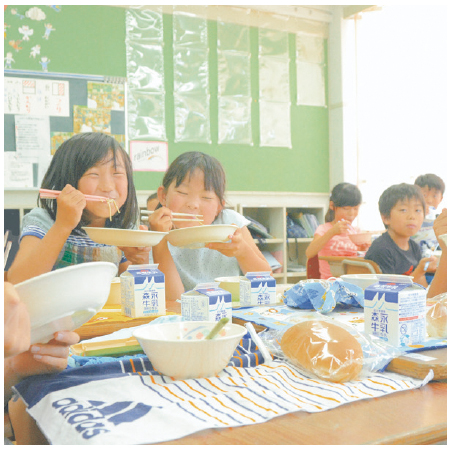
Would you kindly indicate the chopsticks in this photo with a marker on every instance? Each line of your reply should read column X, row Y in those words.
column 48, row 193
column 189, row 217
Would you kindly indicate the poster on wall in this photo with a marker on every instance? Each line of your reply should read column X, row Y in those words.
column 149, row 156
column 91, row 119
column 36, row 97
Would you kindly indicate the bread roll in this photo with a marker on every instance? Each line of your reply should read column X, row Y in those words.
column 328, row 351
column 436, row 319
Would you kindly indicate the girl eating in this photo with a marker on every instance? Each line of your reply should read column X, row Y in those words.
column 331, row 238
column 52, row 235
column 195, row 184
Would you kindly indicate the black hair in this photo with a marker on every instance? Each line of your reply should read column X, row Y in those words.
column 432, row 181
column 343, row 194
column 393, row 194
column 151, row 197
column 72, row 159
column 187, row 163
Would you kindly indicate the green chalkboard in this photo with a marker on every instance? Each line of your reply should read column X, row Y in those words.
column 91, row 40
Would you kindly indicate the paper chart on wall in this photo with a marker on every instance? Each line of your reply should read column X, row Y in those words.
column 18, row 174
column 36, row 97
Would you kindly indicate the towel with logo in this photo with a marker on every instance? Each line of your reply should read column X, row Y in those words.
column 127, row 402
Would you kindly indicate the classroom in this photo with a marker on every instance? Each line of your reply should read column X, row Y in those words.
column 251, row 121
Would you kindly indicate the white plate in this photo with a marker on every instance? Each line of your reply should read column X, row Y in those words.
column 124, row 238
column 66, row 298
column 197, row 237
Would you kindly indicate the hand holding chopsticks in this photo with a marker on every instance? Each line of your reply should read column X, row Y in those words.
column 48, row 193
column 189, row 217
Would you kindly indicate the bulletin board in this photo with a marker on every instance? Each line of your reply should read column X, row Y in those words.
column 78, row 94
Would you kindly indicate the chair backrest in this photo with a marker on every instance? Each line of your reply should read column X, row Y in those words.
column 341, row 265
column 312, row 268
column 359, row 265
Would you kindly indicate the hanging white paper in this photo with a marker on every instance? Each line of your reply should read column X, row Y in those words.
column 149, row 156
column 36, row 97
column 17, row 174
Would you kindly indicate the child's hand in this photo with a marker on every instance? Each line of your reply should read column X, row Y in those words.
column 440, row 224
column 71, row 204
column 161, row 220
column 341, row 227
column 236, row 248
column 45, row 358
column 137, row 255
column 363, row 247
column 432, row 263
column 16, row 323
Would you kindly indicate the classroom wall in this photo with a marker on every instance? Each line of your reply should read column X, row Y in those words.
column 91, row 40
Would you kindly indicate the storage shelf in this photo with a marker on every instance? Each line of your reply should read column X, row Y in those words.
column 274, row 218
column 299, row 240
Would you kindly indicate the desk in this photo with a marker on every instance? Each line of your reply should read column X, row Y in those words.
column 418, row 416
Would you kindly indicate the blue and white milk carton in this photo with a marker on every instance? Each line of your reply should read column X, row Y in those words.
column 257, row 288
column 206, row 301
column 143, row 291
column 394, row 310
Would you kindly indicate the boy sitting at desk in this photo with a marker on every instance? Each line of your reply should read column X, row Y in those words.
column 402, row 209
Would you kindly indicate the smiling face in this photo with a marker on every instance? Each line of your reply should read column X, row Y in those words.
column 405, row 218
column 105, row 180
column 191, row 197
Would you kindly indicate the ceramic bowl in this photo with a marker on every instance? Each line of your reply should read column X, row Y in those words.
column 197, row 237
column 230, row 284
column 179, row 350
column 124, row 238
column 361, row 238
column 66, row 298
column 114, row 297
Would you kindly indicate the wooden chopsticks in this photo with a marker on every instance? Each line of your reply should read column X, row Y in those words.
column 189, row 217
column 48, row 193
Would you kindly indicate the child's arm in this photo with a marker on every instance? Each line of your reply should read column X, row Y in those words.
column 418, row 274
column 173, row 283
column 244, row 249
column 319, row 242
column 160, row 220
column 37, row 256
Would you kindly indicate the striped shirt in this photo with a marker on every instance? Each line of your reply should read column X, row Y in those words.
column 77, row 249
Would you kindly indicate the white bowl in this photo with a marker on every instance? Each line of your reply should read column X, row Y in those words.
column 66, row 298
column 230, row 284
column 114, row 297
column 361, row 280
column 197, row 237
column 179, row 350
column 124, row 238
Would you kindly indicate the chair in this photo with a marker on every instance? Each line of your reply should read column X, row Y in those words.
column 342, row 265
column 312, row 268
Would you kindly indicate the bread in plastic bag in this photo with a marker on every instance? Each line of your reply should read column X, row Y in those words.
column 329, row 350
column 436, row 317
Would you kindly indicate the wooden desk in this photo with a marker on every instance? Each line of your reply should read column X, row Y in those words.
column 418, row 416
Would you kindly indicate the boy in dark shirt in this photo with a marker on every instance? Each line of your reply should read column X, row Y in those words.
column 402, row 209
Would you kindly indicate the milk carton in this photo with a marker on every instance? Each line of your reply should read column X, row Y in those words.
column 206, row 302
column 394, row 310
column 257, row 288
column 143, row 291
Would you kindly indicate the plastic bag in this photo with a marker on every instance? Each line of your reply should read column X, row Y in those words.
column 324, row 295
column 436, row 317
column 376, row 354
